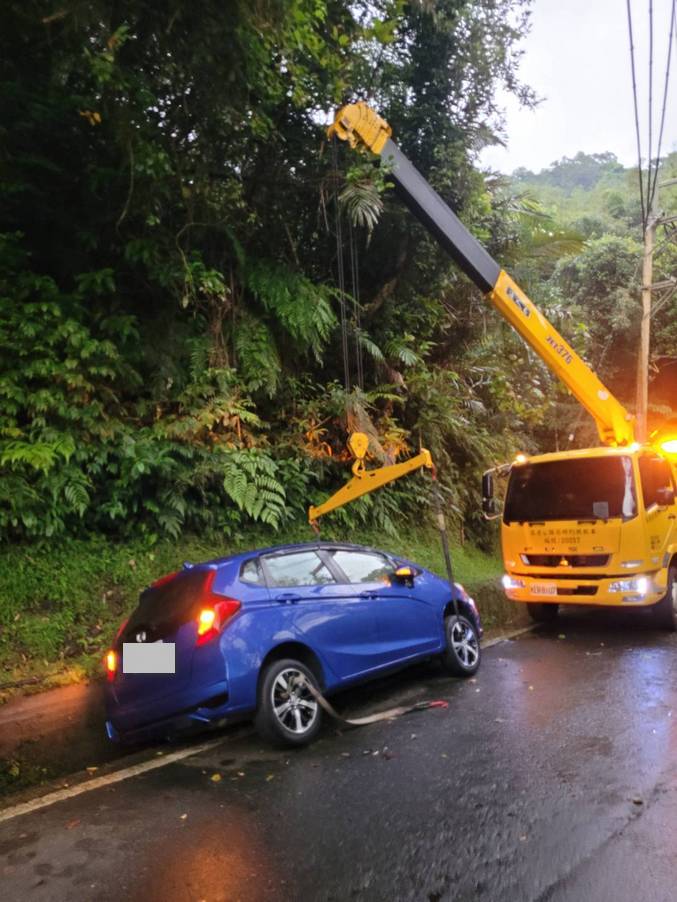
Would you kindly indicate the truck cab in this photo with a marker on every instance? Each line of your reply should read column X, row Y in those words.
column 595, row 526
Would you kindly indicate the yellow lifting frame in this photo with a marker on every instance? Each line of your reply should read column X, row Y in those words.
column 365, row 481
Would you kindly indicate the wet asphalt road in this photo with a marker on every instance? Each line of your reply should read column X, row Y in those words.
column 553, row 776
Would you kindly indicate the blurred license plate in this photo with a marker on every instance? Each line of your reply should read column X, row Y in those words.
column 148, row 657
column 543, row 589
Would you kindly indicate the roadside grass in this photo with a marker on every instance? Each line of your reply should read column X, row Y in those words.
column 61, row 604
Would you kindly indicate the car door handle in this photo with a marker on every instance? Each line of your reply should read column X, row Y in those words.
column 369, row 593
column 288, row 598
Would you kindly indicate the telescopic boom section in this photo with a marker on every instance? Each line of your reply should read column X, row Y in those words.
column 362, row 127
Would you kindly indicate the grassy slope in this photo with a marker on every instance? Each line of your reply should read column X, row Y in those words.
column 61, row 604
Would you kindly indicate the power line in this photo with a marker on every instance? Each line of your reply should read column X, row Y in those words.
column 649, row 161
column 664, row 104
column 634, row 95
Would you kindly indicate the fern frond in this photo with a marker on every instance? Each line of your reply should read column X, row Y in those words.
column 257, row 356
column 301, row 307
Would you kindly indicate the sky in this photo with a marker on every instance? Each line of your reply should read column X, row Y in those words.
column 577, row 58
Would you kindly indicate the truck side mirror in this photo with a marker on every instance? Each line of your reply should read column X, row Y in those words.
column 665, row 496
column 489, row 506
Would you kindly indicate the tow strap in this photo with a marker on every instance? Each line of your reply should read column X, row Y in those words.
column 389, row 714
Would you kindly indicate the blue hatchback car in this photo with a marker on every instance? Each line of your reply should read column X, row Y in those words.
column 249, row 630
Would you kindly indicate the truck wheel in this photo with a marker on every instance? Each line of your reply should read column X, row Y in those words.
column 665, row 612
column 287, row 713
column 542, row 613
column 462, row 657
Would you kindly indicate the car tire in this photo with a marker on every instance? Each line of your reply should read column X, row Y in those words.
column 665, row 612
column 287, row 714
column 542, row 613
column 463, row 653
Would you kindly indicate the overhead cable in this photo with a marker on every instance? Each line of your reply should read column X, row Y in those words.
column 637, row 131
column 673, row 15
column 650, row 160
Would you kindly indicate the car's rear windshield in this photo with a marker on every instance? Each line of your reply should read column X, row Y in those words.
column 172, row 602
column 589, row 488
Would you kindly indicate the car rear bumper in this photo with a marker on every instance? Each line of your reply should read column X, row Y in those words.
column 191, row 706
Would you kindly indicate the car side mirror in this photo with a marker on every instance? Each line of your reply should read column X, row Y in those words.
column 405, row 575
column 665, row 496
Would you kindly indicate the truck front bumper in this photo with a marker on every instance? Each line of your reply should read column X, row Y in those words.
column 636, row 590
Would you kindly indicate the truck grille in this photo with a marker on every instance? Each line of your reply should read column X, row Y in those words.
column 573, row 560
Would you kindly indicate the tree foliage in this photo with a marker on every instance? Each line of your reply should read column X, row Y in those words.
column 171, row 347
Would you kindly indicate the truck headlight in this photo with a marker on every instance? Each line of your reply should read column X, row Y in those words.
column 509, row 582
column 639, row 584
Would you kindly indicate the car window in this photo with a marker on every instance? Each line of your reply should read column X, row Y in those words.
column 363, row 566
column 655, row 474
column 303, row 568
column 251, row 572
column 170, row 600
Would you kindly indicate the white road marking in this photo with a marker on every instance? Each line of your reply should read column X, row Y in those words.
column 106, row 780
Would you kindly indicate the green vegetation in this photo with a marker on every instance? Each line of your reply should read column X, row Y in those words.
column 60, row 605
column 594, row 196
column 169, row 338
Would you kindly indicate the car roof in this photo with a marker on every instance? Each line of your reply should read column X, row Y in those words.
column 281, row 549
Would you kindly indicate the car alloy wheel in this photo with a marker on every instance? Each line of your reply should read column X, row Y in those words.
column 463, row 652
column 292, row 703
column 464, row 642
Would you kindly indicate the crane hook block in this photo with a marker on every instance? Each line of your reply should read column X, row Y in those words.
column 358, row 445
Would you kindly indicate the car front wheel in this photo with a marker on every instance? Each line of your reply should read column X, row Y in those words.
column 462, row 656
column 287, row 713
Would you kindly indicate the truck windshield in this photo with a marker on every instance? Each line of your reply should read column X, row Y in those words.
column 584, row 489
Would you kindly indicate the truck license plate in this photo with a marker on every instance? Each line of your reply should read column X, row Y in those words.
column 543, row 589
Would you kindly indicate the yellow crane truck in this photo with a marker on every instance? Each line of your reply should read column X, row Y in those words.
column 595, row 526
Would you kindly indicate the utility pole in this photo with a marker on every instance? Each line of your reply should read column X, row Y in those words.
column 668, row 287
column 645, row 331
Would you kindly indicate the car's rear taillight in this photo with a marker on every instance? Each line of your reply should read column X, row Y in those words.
column 111, row 665
column 211, row 620
column 214, row 613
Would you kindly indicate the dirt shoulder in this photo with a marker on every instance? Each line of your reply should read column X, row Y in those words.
column 56, row 732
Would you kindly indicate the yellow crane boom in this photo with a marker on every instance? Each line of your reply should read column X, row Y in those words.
column 363, row 128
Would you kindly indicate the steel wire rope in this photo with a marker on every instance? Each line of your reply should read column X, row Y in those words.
column 355, row 278
column 340, row 263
